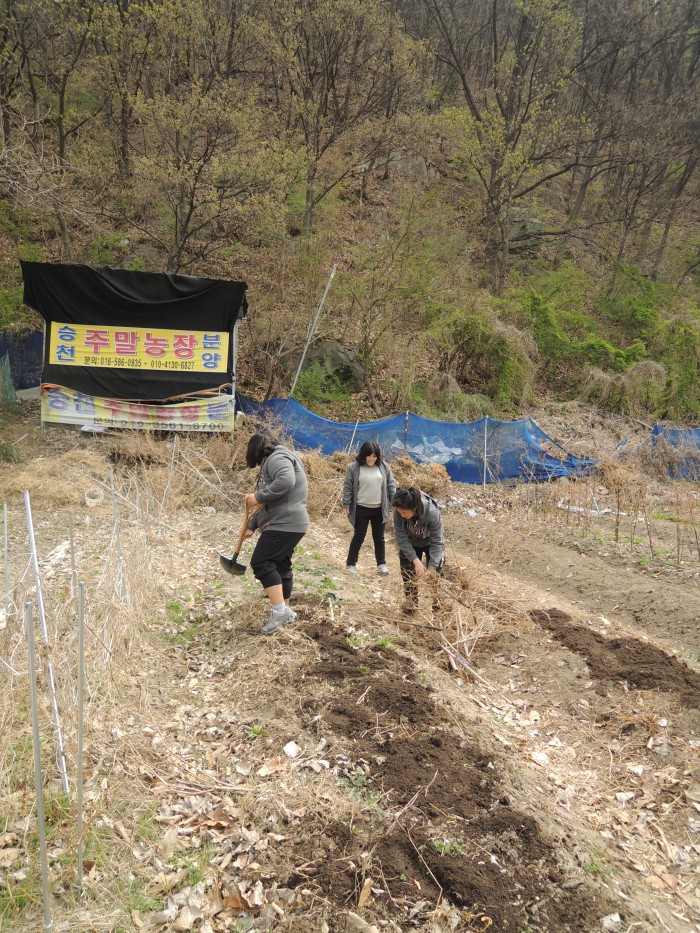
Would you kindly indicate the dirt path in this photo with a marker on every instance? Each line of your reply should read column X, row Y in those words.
column 664, row 603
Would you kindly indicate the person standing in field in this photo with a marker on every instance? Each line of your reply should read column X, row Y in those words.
column 280, row 498
column 419, row 534
column 367, row 493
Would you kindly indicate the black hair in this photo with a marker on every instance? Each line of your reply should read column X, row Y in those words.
column 259, row 447
column 366, row 450
column 409, row 498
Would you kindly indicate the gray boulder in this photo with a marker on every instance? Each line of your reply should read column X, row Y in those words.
column 341, row 362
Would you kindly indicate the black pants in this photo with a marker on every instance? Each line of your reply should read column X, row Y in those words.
column 271, row 561
column 408, row 575
column 364, row 517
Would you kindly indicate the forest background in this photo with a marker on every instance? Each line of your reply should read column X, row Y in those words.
column 509, row 188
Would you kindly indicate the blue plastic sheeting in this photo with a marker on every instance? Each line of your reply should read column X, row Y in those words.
column 503, row 449
column 684, row 453
column 26, row 357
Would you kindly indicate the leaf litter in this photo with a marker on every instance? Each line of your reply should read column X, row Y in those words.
column 384, row 787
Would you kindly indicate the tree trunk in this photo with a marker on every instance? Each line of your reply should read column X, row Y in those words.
column 65, row 236
column 309, row 203
column 124, row 150
column 682, row 182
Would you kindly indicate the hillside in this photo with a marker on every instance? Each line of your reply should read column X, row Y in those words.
column 509, row 191
column 523, row 761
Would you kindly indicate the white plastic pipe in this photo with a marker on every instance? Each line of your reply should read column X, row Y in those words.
column 60, row 755
column 36, row 742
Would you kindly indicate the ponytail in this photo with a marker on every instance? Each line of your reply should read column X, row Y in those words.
column 409, row 498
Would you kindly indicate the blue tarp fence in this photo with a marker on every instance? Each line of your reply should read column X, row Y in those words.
column 680, row 449
column 486, row 450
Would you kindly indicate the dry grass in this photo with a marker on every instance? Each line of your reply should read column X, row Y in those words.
column 56, row 482
column 123, row 561
column 134, row 566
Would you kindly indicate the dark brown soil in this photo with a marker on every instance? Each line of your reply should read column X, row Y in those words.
column 444, row 827
column 635, row 662
column 664, row 605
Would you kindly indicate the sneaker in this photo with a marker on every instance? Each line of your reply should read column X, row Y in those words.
column 277, row 619
column 351, row 568
column 382, row 569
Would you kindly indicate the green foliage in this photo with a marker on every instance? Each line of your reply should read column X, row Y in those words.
column 482, row 354
column 107, row 250
column 631, row 304
column 459, row 407
column 678, row 342
column 356, row 782
column 356, row 640
column 132, row 895
column 316, row 385
column 600, row 863
column 16, row 895
column 12, row 311
column 386, row 641
column 447, row 847
column 8, row 452
column 16, row 222
column 30, row 252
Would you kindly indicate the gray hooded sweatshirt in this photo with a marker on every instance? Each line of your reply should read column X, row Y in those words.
column 282, row 490
column 426, row 532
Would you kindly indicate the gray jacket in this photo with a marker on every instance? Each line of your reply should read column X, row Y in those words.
column 351, row 486
column 425, row 532
column 282, row 490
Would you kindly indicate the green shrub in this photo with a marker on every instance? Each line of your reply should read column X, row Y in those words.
column 106, row 250
column 678, row 347
column 483, row 354
column 13, row 314
column 316, row 385
column 631, row 304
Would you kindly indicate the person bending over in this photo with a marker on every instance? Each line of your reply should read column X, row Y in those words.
column 419, row 533
column 281, row 491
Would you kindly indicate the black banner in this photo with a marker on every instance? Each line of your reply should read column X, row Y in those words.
column 107, row 297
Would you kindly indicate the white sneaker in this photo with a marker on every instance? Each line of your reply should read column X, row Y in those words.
column 383, row 569
column 277, row 619
column 351, row 568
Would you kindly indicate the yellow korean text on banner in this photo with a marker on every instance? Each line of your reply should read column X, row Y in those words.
column 60, row 405
column 138, row 348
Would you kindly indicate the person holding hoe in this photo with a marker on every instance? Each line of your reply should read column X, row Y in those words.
column 280, row 499
column 367, row 492
column 419, row 533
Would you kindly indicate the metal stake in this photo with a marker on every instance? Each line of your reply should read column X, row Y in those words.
column 36, row 741
column 5, row 563
column 486, row 424
column 73, row 571
column 81, row 693
column 45, row 636
column 312, row 331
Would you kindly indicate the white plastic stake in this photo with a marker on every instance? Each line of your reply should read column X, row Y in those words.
column 36, row 741
column 60, row 755
column 81, row 696
column 5, row 562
